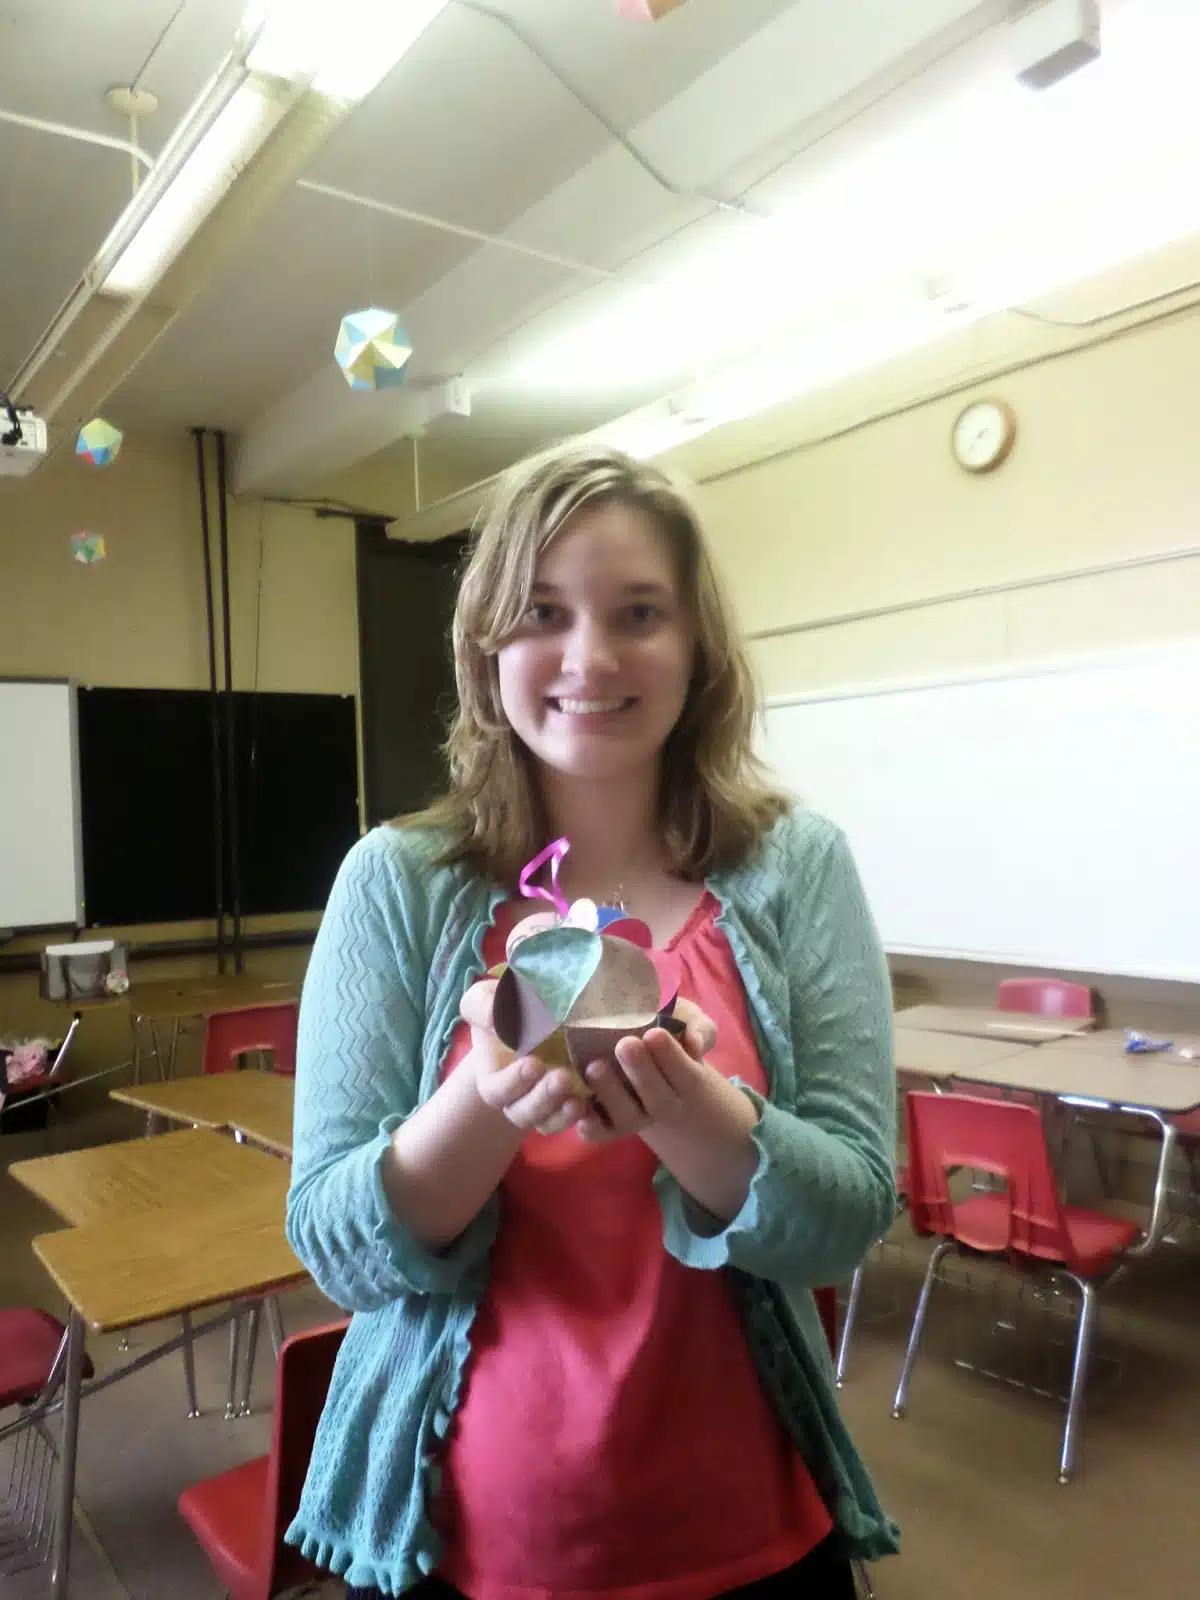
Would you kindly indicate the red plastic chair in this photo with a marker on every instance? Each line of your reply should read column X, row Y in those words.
column 241, row 1516
column 30, row 1341
column 1044, row 997
column 230, row 1034
column 1025, row 1221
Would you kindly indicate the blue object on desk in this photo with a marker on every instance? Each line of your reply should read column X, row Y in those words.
column 1141, row 1044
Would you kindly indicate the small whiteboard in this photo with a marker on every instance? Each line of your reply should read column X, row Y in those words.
column 41, row 859
column 1041, row 816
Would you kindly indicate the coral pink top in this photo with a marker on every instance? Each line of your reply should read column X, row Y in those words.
column 614, row 1438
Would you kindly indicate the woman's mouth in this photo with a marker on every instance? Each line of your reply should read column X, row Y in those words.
column 590, row 708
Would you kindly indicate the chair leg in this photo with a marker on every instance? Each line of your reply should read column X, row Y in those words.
column 1079, row 1372
column 900, row 1403
column 275, row 1324
column 189, row 1364
column 843, row 1349
column 235, row 1348
column 862, row 1581
column 253, row 1328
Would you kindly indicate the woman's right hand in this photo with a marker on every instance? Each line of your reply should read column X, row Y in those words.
column 534, row 1097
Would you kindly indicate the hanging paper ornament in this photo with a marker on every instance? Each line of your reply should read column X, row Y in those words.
column 99, row 442
column 577, row 982
column 88, row 548
column 647, row 10
column 372, row 349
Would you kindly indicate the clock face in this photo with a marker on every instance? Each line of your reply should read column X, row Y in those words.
column 983, row 436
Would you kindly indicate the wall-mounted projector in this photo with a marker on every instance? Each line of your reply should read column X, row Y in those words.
column 19, row 455
column 1052, row 39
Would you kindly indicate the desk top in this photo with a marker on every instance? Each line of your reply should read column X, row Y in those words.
column 939, row 1056
column 1159, row 1084
column 141, row 1266
column 1111, row 1042
column 171, row 998
column 256, row 1104
column 980, row 1022
column 192, row 1171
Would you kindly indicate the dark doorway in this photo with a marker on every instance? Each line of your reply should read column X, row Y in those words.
column 405, row 605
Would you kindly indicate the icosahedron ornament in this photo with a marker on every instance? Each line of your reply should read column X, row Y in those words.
column 99, row 442
column 87, row 548
column 372, row 349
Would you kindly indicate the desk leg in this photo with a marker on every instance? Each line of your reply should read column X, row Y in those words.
column 135, row 1028
column 73, row 1380
column 173, row 1052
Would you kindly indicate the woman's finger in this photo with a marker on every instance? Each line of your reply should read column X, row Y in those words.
column 544, row 1101
column 568, row 1114
column 701, row 1034
column 506, row 1086
column 475, row 1006
column 649, row 1085
column 678, row 1068
column 616, row 1097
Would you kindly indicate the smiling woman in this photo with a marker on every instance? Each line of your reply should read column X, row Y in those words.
column 586, row 1357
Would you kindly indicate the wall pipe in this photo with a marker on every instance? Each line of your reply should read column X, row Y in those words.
column 214, row 706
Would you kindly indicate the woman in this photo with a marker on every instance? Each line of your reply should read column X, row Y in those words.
column 585, row 1356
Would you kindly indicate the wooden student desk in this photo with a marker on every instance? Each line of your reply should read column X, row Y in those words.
column 256, row 1105
column 941, row 1056
column 164, row 1226
column 191, row 1172
column 143, row 1266
column 1111, row 1042
column 175, row 1000
column 982, row 1022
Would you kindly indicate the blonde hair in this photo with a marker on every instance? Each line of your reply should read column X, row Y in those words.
column 715, row 803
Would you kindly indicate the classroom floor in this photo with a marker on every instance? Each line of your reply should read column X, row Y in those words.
column 970, row 1474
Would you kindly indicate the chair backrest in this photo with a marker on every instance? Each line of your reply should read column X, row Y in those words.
column 1001, row 1137
column 229, row 1034
column 301, row 1385
column 1044, row 997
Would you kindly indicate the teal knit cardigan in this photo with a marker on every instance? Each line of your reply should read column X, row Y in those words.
column 400, row 943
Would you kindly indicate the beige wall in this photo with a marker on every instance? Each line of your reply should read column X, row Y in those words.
column 1106, row 469
column 138, row 619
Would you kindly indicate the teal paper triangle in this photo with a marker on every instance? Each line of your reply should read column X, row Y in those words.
column 558, row 964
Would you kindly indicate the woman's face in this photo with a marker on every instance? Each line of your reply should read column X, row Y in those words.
column 596, row 674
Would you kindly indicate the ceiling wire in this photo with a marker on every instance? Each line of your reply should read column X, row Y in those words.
column 158, row 43
column 736, row 207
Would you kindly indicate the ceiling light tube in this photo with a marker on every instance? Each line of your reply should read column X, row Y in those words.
column 343, row 49
column 137, row 257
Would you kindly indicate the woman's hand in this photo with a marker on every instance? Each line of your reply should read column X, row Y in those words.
column 534, row 1097
column 661, row 1080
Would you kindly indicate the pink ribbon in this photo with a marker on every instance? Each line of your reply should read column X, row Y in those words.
column 553, row 853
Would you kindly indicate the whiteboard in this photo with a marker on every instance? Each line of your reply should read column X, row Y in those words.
column 1044, row 816
column 41, row 859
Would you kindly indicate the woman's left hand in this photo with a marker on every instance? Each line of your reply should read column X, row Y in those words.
column 661, row 1080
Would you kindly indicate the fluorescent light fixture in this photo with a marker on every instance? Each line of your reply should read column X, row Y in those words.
column 208, row 173
column 785, row 371
column 342, row 48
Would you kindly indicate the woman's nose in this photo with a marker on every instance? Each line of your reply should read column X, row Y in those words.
column 588, row 649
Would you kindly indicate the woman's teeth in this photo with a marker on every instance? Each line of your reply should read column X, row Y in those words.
column 589, row 708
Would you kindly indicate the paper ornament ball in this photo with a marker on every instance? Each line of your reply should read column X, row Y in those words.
column 99, row 442
column 647, row 10
column 372, row 349
column 87, row 548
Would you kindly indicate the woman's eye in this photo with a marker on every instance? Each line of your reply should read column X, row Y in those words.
column 643, row 614
column 542, row 614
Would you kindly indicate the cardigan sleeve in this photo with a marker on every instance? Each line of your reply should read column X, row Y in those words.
column 823, row 1190
column 358, row 1072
